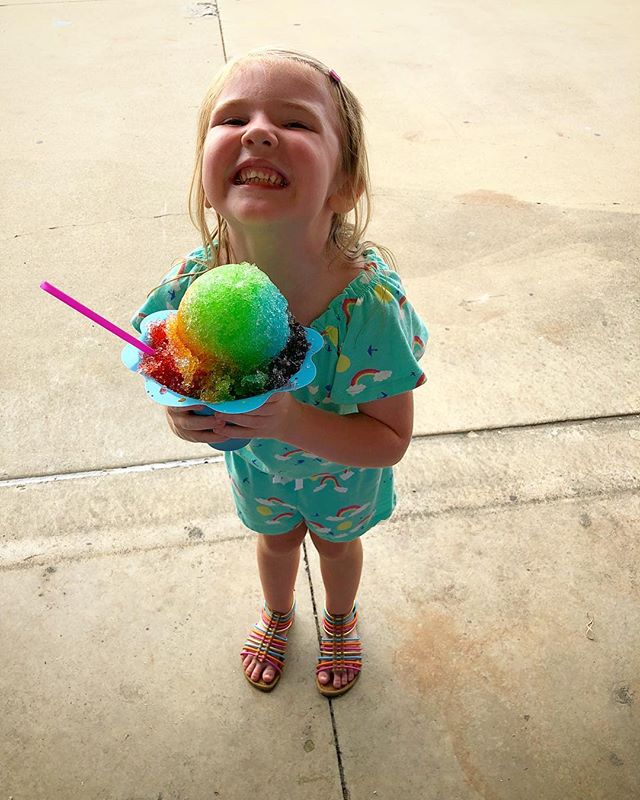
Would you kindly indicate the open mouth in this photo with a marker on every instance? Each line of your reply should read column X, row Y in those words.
column 260, row 177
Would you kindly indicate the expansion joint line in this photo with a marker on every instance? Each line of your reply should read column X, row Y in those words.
column 336, row 741
column 219, row 15
column 520, row 426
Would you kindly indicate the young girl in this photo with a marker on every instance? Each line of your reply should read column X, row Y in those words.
column 281, row 160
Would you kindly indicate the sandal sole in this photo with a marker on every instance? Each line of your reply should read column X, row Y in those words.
column 261, row 685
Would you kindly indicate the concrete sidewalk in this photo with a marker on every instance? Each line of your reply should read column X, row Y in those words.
column 500, row 605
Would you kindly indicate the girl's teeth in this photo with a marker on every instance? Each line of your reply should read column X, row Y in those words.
column 257, row 176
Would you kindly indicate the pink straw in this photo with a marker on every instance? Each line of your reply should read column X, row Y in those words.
column 60, row 295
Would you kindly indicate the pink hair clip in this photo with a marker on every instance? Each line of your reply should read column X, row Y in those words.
column 334, row 76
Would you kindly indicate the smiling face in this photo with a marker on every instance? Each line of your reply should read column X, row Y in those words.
column 272, row 153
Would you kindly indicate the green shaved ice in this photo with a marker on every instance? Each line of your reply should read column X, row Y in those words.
column 252, row 384
column 236, row 315
column 218, row 390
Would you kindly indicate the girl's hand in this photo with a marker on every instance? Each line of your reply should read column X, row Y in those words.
column 270, row 421
column 273, row 420
column 192, row 427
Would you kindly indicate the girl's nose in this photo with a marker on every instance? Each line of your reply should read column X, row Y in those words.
column 260, row 133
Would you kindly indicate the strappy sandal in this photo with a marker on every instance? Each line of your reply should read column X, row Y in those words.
column 337, row 652
column 267, row 643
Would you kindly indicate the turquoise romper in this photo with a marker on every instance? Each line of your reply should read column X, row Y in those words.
column 373, row 341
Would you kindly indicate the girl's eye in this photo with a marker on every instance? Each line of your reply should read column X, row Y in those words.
column 233, row 121
column 296, row 125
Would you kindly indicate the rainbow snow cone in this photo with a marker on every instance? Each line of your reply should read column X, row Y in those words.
column 230, row 346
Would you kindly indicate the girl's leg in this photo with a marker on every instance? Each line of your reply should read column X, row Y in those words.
column 278, row 560
column 341, row 567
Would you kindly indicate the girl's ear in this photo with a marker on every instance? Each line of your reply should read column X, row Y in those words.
column 344, row 199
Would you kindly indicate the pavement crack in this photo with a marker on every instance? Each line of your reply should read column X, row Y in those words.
column 523, row 426
column 29, row 562
column 588, row 494
column 131, row 218
column 24, row 480
column 103, row 472
column 346, row 795
column 224, row 49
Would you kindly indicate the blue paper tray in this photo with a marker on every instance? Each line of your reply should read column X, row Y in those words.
column 160, row 394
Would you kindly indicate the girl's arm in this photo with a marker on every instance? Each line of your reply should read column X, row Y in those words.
column 377, row 436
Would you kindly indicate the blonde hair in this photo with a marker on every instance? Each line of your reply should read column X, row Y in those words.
column 345, row 235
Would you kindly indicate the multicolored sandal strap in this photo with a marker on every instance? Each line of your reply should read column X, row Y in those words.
column 265, row 641
column 337, row 652
column 340, row 624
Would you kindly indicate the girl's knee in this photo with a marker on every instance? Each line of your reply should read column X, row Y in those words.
column 334, row 550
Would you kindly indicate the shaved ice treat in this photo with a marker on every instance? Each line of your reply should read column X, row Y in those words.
column 236, row 313
column 232, row 337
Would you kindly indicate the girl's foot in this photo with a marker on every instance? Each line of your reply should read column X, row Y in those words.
column 264, row 652
column 256, row 670
column 340, row 659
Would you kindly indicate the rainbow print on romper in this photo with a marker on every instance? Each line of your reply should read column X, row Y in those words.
column 298, row 452
column 346, row 512
column 270, row 504
column 358, row 384
column 326, row 480
column 347, row 305
column 417, row 346
column 280, row 518
column 345, row 528
column 291, row 454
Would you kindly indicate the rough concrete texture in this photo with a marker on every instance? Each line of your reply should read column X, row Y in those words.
column 500, row 605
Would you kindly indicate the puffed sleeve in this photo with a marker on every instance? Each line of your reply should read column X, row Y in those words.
column 384, row 340
column 169, row 292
